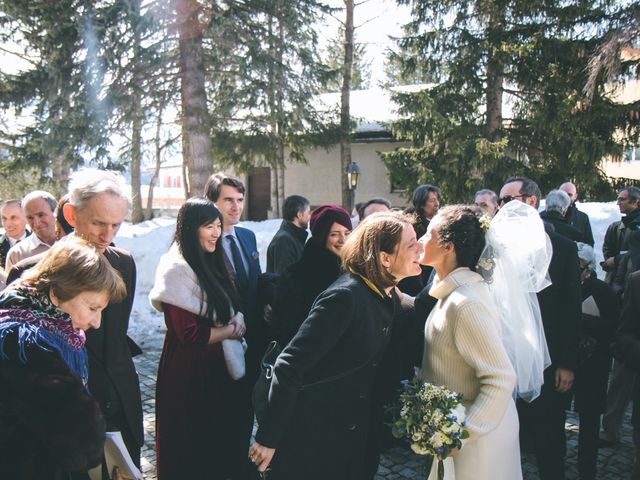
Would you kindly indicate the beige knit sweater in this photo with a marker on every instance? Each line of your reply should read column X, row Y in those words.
column 464, row 350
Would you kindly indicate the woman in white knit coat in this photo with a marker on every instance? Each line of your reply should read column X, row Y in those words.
column 464, row 349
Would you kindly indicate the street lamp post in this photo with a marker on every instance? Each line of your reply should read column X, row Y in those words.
column 353, row 175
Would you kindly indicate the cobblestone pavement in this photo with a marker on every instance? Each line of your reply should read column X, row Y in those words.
column 397, row 463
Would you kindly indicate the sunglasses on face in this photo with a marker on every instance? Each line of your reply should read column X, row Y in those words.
column 508, row 198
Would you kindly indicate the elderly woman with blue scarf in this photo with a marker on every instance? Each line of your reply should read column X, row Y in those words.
column 49, row 423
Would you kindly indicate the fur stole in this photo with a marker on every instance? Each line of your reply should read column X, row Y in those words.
column 176, row 284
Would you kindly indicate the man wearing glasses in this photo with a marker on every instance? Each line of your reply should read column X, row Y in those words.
column 560, row 306
column 616, row 240
column 621, row 379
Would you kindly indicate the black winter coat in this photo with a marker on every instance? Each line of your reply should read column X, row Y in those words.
column 298, row 288
column 560, row 308
column 580, row 221
column 627, row 338
column 286, row 247
column 49, row 424
column 616, row 238
column 593, row 373
column 320, row 432
column 113, row 380
column 562, row 227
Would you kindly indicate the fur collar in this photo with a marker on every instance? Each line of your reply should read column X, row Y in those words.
column 176, row 284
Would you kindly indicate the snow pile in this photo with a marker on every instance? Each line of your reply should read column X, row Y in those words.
column 149, row 240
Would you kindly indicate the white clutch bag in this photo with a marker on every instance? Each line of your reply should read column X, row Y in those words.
column 234, row 357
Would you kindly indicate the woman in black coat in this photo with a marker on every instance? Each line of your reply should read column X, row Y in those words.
column 320, row 431
column 49, row 423
column 318, row 268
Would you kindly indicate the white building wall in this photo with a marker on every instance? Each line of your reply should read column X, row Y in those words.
column 319, row 179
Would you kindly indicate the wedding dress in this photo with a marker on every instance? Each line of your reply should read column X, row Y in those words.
column 485, row 340
column 464, row 352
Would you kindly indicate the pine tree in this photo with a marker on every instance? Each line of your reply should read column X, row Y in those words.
column 334, row 61
column 53, row 98
column 476, row 52
column 261, row 83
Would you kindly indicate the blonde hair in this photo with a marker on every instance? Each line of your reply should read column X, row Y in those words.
column 73, row 266
column 379, row 232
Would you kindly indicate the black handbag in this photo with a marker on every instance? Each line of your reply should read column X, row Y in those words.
column 260, row 396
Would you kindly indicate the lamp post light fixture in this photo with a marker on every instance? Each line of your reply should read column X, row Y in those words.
column 353, row 175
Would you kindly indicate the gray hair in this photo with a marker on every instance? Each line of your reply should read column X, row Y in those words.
column 486, row 191
column 13, row 201
column 633, row 192
column 587, row 255
column 557, row 201
column 86, row 184
column 46, row 196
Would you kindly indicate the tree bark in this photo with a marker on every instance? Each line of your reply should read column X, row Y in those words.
column 345, row 114
column 60, row 171
column 495, row 76
column 276, row 157
column 156, row 172
column 196, row 123
column 137, row 214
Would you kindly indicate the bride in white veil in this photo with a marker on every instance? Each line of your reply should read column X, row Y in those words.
column 484, row 338
column 515, row 265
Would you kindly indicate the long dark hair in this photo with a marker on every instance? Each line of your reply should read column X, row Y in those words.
column 210, row 269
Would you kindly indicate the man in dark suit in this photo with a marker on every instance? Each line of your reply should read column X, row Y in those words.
column 575, row 217
column 543, row 419
column 241, row 251
column 14, row 223
column 96, row 210
column 616, row 243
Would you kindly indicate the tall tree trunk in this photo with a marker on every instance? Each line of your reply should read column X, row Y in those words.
column 495, row 75
column 345, row 114
column 196, row 122
column 156, row 171
column 280, row 117
column 273, row 157
column 274, row 177
column 137, row 215
column 60, row 171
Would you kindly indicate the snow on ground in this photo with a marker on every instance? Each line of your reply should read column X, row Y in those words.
column 149, row 240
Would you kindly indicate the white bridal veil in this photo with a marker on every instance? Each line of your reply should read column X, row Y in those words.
column 515, row 264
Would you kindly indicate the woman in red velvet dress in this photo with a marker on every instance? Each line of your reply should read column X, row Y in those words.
column 201, row 399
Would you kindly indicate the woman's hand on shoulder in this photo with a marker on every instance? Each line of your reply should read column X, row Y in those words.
column 261, row 456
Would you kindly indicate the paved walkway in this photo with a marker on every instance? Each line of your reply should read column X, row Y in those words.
column 397, row 463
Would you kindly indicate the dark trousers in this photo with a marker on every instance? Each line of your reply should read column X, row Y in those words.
column 636, row 460
column 543, row 422
column 588, row 445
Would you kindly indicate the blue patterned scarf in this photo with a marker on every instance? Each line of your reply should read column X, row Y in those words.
column 36, row 322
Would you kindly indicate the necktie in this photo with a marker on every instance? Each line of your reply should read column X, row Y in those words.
column 241, row 274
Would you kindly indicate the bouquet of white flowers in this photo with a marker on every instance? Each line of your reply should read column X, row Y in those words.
column 432, row 419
